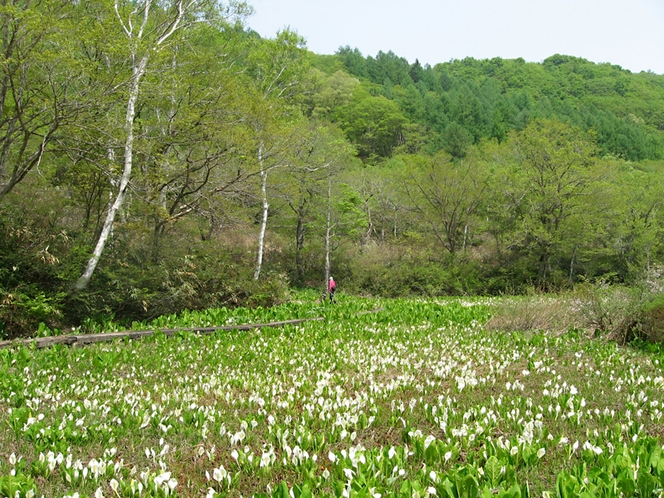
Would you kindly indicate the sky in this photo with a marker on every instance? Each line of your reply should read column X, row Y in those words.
column 629, row 33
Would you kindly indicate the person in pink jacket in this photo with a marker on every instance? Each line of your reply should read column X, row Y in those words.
column 332, row 287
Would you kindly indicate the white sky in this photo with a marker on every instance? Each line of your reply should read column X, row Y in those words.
column 629, row 33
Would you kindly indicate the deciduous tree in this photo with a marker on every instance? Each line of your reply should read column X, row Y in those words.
column 550, row 176
column 35, row 78
column 146, row 26
column 446, row 195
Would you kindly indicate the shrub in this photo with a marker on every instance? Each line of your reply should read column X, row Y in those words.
column 31, row 288
column 610, row 311
column 652, row 320
column 400, row 272
column 202, row 279
column 555, row 314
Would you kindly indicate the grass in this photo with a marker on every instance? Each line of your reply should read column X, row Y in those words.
column 619, row 314
column 554, row 314
column 354, row 388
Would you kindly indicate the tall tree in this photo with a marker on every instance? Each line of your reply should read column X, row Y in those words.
column 35, row 76
column 277, row 67
column 147, row 26
column 446, row 196
column 337, row 159
column 551, row 174
column 304, row 185
column 637, row 236
column 192, row 133
column 375, row 124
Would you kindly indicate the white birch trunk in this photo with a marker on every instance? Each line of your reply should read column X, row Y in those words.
column 266, row 207
column 139, row 71
column 328, row 229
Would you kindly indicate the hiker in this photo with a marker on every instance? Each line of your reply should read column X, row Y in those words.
column 332, row 287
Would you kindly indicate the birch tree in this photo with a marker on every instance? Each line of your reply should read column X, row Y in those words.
column 338, row 153
column 277, row 66
column 147, row 26
column 306, row 176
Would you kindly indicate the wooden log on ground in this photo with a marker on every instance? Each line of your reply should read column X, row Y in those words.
column 83, row 339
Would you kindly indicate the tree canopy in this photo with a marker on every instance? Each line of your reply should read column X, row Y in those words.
column 167, row 158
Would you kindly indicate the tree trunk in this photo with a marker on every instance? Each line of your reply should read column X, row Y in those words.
column 299, row 244
column 366, row 238
column 544, row 269
column 328, row 229
column 22, row 169
column 266, row 206
column 139, row 71
column 134, row 34
column 571, row 266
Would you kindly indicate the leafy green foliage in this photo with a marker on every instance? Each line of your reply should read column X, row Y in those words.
column 488, row 98
column 467, row 177
column 374, row 124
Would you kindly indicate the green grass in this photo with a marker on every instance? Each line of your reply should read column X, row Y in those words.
column 413, row 399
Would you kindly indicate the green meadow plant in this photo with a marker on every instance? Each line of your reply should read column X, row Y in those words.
column 393, row 398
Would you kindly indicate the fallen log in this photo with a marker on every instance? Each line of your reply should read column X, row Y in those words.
column 82, row 339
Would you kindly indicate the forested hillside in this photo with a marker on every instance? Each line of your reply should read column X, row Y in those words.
column 161, row 157
column 459, row 103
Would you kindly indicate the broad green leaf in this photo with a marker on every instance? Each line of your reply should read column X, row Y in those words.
column 281, row 491
column 468, row 487
column 513, row 492
column 305, row 492
column 566, row 485
column 492, row 471
column 646, row 482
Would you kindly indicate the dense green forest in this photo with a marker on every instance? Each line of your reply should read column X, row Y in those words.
column 159, row 156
